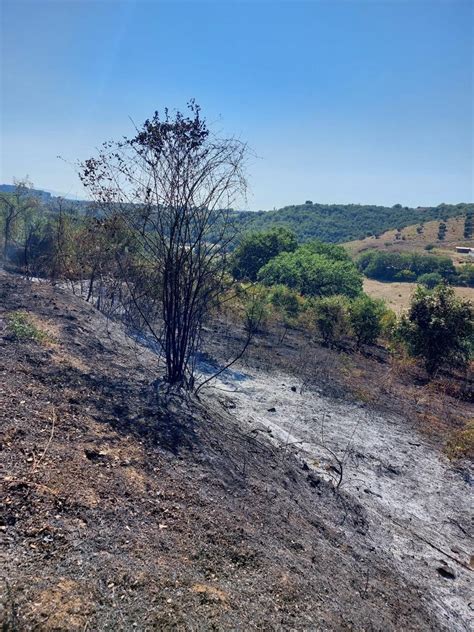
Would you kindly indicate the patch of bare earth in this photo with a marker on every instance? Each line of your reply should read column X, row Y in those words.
column 398, row 295
column 125, row 510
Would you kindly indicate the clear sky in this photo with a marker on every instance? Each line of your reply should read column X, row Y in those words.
column 341, row 101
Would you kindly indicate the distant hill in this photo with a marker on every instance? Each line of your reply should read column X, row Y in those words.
column 49, row 199
column 345, row 222
column 39, row 193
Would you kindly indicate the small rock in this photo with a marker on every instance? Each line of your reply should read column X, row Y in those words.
column 446, row 572
column 272, row 409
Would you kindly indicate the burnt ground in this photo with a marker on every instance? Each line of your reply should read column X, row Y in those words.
column 123, row 509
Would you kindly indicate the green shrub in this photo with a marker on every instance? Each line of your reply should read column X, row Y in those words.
column 286, row 301
column 313, row 273
column 466, row 275
column 365, row 316
column 406, row 276
column 429, row 247
column 389, row 324
column 438, row 328
column 331, row 318
column 20, row 327
column 258, row 248
column 430, row 279
column 256, row 312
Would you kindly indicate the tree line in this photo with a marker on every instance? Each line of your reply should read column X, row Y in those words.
column 430, row 270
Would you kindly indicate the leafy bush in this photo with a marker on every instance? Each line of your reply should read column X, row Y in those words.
column 405, row 276
column 439, row 328
column 396, row 266
column 466, row 275
column 430, row 279
column 365, row 315
column 286, row 301
column 331, row 251
column 257, row 248
column 256, row 313
column 429, row 247
column 313, row 274
column 388, row 324
column 331, row 318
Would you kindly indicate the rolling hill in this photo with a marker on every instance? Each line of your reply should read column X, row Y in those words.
column 341, row 223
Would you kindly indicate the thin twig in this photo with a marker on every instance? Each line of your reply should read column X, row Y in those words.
column 53, row 424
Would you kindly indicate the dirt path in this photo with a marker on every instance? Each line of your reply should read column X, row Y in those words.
column 420, row 507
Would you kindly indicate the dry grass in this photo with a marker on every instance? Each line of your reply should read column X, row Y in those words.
column 411, row 241
column 397, row 295
column 461, row 444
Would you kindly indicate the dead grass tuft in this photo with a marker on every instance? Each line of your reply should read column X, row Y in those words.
column 461, row 443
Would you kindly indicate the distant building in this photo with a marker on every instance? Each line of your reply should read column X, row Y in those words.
column 465, row 250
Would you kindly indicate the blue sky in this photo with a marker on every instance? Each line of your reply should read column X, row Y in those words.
column 354, row 101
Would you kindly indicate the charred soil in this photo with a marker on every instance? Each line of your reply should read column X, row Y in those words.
column 124, row 509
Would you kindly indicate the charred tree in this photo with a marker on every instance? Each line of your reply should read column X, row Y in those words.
column 173, row 185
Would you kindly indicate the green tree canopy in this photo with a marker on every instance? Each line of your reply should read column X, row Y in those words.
column 257, row 248
column 331, row 251
column 312, row 274
column 439, row 328
column 397, row 266
column 430, row 279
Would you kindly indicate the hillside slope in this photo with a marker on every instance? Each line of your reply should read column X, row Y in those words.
column 412, row 241
column 344, row 222
column 123, row 510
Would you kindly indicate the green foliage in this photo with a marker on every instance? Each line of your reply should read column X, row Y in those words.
column 16, row 210
column 365, row 315
column 438, row 328
column 257, row 248
column 331, row 318
column 339, row 223
column 429, row 247
column 20, row 327
column 286, row 301
column 389, row 324
column 256, row 312
column 331, row 251
column 466, row 275
column 430, row 279
column 405, row 276
column 468, row 225
column 312, row 274
column 396, row 266
column 442, row 231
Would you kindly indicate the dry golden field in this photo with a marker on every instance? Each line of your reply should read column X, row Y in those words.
column 411, row 241
column 397, row 295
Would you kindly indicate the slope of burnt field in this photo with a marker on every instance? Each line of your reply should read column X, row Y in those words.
column 123, row 510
